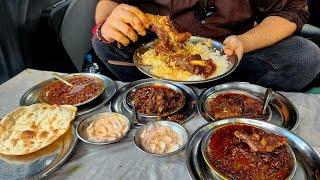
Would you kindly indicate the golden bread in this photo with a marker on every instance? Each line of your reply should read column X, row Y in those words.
column 30, row 128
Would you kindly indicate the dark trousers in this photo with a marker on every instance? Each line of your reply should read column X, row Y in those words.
column 288, row 65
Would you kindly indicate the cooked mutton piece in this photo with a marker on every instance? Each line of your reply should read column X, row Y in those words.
column 258, row 143
column 169, row 37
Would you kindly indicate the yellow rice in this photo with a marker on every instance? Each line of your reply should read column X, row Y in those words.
column 161, row 69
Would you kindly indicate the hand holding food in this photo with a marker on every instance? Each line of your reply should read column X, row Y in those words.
column 124, row 23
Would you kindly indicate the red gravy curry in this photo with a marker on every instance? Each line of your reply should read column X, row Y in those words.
column 229, row 105
column 83, row 89
column 247, row 152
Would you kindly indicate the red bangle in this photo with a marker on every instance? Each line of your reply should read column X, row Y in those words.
column 96, row 32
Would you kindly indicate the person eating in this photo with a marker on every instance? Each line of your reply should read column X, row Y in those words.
column 263, row 34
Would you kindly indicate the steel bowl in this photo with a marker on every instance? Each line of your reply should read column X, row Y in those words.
column 83, row 125
column 284, row 112
column 101, row 81
column 180, row 130
column 128, row 101
column 215, row 173
column 265, row 117
column 233, row 60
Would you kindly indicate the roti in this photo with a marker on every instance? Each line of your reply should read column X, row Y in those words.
column 30, row 128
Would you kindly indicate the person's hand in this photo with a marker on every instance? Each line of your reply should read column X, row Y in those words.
column 233, row 45
column 124, row 23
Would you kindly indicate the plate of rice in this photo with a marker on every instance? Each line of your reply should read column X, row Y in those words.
column 213, row 64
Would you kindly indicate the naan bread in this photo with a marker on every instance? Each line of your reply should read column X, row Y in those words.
column 30, row 128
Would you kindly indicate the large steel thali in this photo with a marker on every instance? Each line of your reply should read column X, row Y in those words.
column 234, row 62
column 32, row 95
column 41, row 163
column 284, row 113
column 308, row 162
column 188, row 110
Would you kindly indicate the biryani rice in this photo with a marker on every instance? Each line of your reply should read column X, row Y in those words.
column 204, row 49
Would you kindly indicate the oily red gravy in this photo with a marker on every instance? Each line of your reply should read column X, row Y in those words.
column 83, row 89
column 247, row 152
column 229, row 105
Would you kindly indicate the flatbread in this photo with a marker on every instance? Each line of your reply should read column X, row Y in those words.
column 30, row 128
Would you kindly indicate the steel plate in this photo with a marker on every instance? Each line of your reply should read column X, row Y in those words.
column 32, row 95
column 188, row 110
column 39, row 164
column 234, row 62
column 283, row 113
column 308, row 162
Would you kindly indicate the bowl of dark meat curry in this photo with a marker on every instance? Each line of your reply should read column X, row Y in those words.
column 155, row 99
column 239, row 151
column 235, row 103
column 84, row 89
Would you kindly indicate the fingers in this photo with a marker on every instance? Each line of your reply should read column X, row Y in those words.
column 228, row 52
column 134, row 21
column 124, row 23
column 233, row 46
column 239, row 53
column 229, row 42
column 142, row 17
column 126, row 30
column 116, row 35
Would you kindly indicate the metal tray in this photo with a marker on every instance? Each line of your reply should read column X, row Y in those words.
column 32, row 95
column 234, row 62
column 188, row 110
column 39, row 164
column 308, row 162
column 283, row 113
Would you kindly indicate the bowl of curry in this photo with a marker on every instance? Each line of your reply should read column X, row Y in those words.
column 84, row 89
column 240, row 151
column 235, row 103
column 155, row 99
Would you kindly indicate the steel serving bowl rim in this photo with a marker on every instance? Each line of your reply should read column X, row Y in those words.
column 193, row 38
column 154, row 83
column 86, row 122
column 206, row 140
column 68, row 76
column 236, row 91
column 183, row 133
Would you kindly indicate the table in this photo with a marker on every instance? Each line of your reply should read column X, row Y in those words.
column 124, row 160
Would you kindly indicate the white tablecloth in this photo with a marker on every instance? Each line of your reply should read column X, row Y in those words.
column 123, row 160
